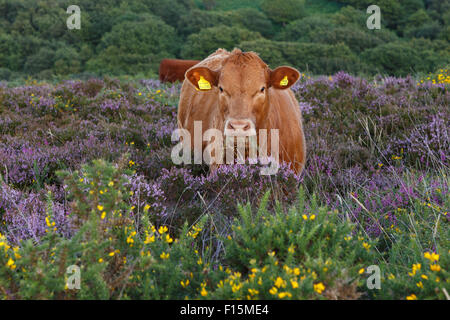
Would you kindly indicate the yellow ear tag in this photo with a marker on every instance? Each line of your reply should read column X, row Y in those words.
column 284, row 82
column 204, row 84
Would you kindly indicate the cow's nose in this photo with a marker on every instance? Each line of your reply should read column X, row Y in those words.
column 240, row 127
column 243, row 125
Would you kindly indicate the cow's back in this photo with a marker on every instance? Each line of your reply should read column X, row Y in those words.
column 171, row 70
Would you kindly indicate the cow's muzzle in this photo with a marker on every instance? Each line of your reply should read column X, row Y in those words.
column 239, row 128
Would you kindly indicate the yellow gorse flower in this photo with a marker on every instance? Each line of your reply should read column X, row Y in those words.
column 279, row 282
column 162, row 229
column 184, row 284
column 253, row 292
column 294, row 284
column 282, row 295
column 415, row 267
column 319, row 287
column 149, row 239
column 236, row 287
column 10, row 262
column 431, row 256
column 168, row 238
column 164, row 255
column 435, row 267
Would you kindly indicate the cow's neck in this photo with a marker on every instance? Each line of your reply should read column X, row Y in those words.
column 267, row 121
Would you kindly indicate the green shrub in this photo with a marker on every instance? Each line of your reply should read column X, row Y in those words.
column 202, row 44
column 119, row 257
column 254, row 20
column 335, row 30
column 401, row 58
column 312, row 57
column 304, row 29
column 408, row 270
column 5, row 74
column 196, row 20
column 169, row 11
column 300, row 253
column 283, row 11
column 270, row 51
column 349, row 15
column 42, row 60
column 392, row 10
column 322, row 58
column 430, row 30
column 357, row 40
column 134, row 46
column 249, row 18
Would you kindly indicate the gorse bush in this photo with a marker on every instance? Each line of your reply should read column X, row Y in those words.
column 122, row 255
column 298, row 253
column 119, row 255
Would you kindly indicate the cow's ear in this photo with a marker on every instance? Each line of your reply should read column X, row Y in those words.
column 283, row 77
column 202, row 78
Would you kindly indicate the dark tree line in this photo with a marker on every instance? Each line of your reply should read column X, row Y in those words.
column 130, row 37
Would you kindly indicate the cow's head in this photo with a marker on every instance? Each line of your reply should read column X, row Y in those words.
column 242, row 86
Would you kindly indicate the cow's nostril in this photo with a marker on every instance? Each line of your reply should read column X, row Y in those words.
column 239, row 125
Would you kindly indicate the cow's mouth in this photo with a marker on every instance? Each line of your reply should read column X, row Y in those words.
column 240, row 148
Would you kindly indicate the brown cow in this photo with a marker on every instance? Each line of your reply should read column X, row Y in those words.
column 171, row 70
column 236, row 93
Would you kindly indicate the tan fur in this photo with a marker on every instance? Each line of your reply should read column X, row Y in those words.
column 172, row 70
column 242, row 74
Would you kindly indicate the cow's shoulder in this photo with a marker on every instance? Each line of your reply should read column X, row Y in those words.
column 284, row 108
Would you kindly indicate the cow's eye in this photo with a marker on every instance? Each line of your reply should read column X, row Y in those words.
column 221, row 89
column 262, row 89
